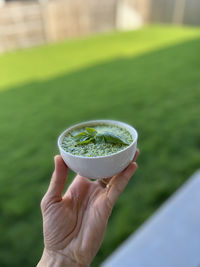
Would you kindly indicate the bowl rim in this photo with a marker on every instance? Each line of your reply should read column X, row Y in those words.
column 118, row 123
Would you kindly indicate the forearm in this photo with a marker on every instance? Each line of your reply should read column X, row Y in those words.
column 52, row 259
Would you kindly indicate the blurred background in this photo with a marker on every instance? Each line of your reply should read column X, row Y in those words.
column 67, row 61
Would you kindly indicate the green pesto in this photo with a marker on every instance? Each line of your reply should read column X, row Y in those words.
column 96, row 149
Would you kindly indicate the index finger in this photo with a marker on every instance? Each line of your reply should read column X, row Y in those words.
column 119, row 182
column 105, row 181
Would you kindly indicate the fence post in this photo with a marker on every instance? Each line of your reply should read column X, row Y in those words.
column 179, row 10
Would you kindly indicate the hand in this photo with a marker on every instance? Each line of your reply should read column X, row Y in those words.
column 74, row 224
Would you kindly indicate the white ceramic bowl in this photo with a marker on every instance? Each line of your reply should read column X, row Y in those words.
column 102, row 166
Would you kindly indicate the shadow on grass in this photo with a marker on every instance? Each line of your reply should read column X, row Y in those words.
column 158, row 93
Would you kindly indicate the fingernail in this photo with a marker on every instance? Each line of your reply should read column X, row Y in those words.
column 136, row 165
column 55, row 160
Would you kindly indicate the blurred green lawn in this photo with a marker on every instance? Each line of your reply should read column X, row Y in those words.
column 149, row 78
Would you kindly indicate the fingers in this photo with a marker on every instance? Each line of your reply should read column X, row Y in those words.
column 58, row 179
column 119, row 182
column 105, row 181
column 136, row 154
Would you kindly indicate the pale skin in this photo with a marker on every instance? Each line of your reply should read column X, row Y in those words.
column 74, row 222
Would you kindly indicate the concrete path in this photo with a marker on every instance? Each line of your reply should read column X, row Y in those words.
column 170, row 238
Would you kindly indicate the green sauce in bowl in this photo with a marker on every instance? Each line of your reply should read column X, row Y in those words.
column 95, row 148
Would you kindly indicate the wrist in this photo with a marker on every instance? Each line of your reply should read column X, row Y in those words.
column 54, row 259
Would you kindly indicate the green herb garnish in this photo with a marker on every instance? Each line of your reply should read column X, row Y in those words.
column 91, row 135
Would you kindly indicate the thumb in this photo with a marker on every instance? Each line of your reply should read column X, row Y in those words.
column 58, row 179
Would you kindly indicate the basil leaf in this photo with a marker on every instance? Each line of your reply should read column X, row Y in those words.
column 99, row 138
column 91, row 131
column 110, row 138
column 91, row 135
column 85, row 137
column 81, row 136
column 85, row 141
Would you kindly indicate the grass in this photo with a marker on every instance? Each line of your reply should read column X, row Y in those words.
column 149, row 78
column 51, row 60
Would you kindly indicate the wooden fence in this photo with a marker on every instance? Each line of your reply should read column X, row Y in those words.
column 29, row 23
column 175, row 11
column 21, row 25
